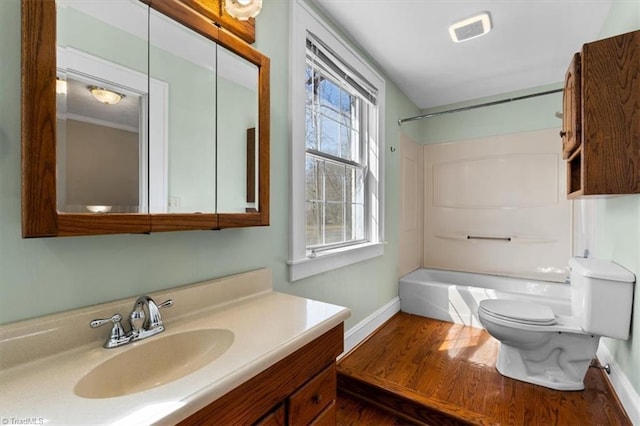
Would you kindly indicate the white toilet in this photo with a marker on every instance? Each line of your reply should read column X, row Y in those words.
column 540, row 347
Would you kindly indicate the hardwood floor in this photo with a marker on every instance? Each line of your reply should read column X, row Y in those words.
column 437, row 372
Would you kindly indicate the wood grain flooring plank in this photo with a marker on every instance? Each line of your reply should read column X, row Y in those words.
column 443, row 372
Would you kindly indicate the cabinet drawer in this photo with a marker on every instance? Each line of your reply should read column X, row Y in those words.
column 317, row 394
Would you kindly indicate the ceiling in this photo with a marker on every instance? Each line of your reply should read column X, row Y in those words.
column 530, row 45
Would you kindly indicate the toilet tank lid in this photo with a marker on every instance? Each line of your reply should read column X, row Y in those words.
column 601, row 269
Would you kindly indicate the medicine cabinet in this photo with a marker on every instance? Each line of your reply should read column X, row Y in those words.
column 601, row 118
column 139, row 116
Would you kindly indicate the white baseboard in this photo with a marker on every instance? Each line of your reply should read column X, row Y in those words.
column 626, row 393
column 364, row 328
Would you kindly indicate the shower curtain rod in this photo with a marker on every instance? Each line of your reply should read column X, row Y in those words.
column 502, row 101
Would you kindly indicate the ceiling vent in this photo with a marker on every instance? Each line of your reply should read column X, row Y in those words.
column 472, row 27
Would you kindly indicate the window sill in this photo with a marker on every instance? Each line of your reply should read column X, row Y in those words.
column 333, row 259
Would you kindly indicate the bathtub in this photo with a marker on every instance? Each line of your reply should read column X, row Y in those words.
column 455, row 296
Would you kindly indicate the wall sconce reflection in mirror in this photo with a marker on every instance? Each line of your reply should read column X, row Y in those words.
column 61, row 86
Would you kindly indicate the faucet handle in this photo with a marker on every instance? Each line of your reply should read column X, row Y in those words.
column 166, row 304
column 155, row 319
column 100, row 322
column 118, row 336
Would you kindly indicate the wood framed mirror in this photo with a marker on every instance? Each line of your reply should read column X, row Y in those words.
column 43, row 214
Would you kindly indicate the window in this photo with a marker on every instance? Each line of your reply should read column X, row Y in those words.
column 336, row 117
column 336, row 169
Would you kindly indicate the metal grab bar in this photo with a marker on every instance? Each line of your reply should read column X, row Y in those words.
column 476, row 237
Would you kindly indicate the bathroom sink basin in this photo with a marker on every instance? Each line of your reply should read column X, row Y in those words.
column 154, row 362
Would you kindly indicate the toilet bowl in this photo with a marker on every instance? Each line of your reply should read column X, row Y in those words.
column 555, row 355
column 540, row 347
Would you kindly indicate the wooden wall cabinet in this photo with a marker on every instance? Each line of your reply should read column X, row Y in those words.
column 298, row 390
column 601, row 122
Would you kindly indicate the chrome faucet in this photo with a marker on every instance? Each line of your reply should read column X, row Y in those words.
column 143, row 324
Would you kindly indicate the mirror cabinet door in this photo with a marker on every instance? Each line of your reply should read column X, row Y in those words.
column 236, row 138
column 101, row 107
column 185, row 63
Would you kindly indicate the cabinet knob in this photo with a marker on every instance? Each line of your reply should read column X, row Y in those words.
column 317, row 399
column 563, row 133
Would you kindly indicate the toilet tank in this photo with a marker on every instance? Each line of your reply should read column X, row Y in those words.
column 601, row 296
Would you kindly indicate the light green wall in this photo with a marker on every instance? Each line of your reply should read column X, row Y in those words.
column 618, row 239
column 41, row 276
column 512, row 117
column 618, row 220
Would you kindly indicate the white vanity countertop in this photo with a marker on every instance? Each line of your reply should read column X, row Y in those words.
column 267, row 326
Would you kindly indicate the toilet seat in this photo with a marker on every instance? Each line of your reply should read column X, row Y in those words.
column 518, row 311
column 537, row 346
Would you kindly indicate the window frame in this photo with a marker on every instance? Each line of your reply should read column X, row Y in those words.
column 302, row 262
column 357, row 162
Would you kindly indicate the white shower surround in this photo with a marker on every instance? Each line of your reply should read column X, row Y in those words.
column 497, row 205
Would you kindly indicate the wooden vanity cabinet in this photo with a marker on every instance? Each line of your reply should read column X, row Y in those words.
column 276, row 418
column 315, row 401
column 604, row 117
column 298, row 390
